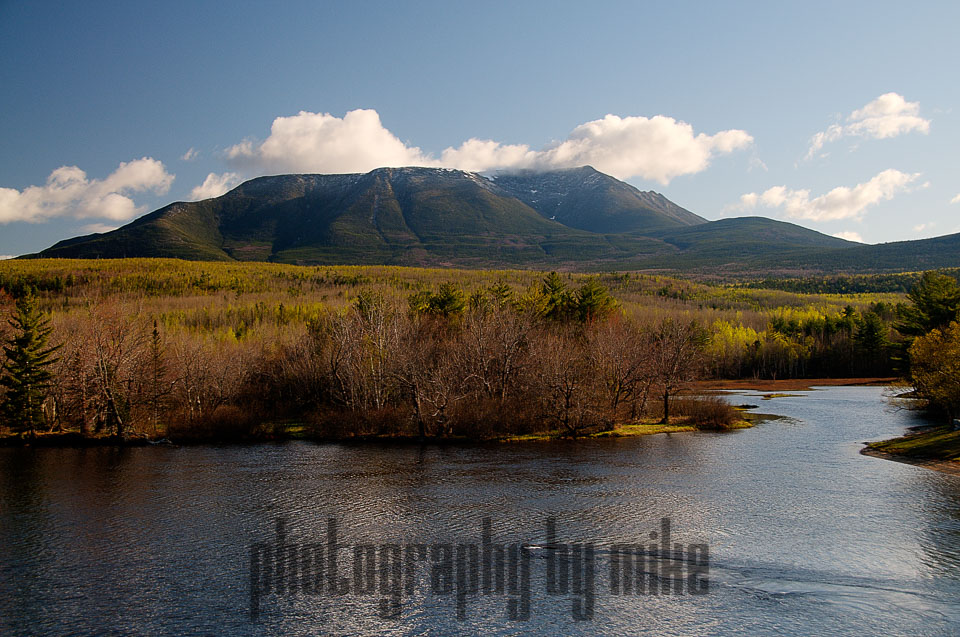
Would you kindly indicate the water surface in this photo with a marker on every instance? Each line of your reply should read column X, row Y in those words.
column 806, row 536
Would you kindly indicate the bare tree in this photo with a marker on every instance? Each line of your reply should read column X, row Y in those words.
column 432, row 370
column 677, row 351
column 73, row 388
column 495, row 341
column 622, row 361
column 116, row 343
column 192, row 373
column 374, row 336
column 565, row 381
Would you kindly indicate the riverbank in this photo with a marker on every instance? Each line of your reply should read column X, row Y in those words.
column 788, row 384
column 936, row 448
column 281, row 432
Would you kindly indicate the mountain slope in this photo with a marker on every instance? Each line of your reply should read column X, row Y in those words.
column 587, row 199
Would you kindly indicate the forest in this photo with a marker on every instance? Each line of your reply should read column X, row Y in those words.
column 227, row 351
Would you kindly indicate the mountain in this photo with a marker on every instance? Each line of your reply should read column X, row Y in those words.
column 577, row 218
column 587, row 199
column 407, row 216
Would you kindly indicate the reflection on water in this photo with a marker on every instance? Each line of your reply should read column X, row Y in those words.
column 805, row 535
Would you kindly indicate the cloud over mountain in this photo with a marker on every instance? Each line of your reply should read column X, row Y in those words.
column 214, row 186
column 659, row 148
column 323, row 143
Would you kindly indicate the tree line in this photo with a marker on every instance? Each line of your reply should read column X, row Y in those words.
column 444, row 363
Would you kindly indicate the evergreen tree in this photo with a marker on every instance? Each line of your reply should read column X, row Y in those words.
column 26, row 373
column 501, row 293
column 158, row 388
column 935, row 300
column 871, row 344
column 594, row 302
column 448, row 301
column 559, row 302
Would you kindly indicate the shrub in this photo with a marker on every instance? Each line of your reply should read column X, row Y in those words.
column 707, row 412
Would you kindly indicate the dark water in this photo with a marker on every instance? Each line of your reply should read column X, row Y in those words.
column 805, row 535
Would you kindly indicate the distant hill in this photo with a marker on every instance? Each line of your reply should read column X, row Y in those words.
column 577, row 218
column 897, row 256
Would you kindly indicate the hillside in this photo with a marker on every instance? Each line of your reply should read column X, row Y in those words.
column 896, row 256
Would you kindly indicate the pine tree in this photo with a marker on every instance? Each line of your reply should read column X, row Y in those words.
column 157, row 376
column 559, row 302
column 593, row 302
column 935, row 301
column 26, row 373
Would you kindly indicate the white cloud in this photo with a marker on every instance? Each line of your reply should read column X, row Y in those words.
column 190, row 155
column 68, row 193
column 214, row 186
column 849, row 236
column 658, row 148
column 955, row 199
column 920, row 227
column 840, row 203
column 323, row 143
column 97, row 227
column 4, row 257
column 887, row 116
column 483, row 154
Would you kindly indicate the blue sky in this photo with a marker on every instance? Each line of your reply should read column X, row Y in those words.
column 110, row 110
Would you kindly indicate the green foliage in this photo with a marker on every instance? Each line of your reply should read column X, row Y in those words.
column 501, row 293
column 289, row 339
column 935, row 301
column 558, row 302
column 26, row 372
column 840, row 284
column 593, row 302
column 871, row 336
column 448, row 301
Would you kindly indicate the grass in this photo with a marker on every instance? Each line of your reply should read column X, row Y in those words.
column 939, row 443
column 630, row 430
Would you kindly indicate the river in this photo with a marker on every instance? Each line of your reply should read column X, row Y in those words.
column 803, row 534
